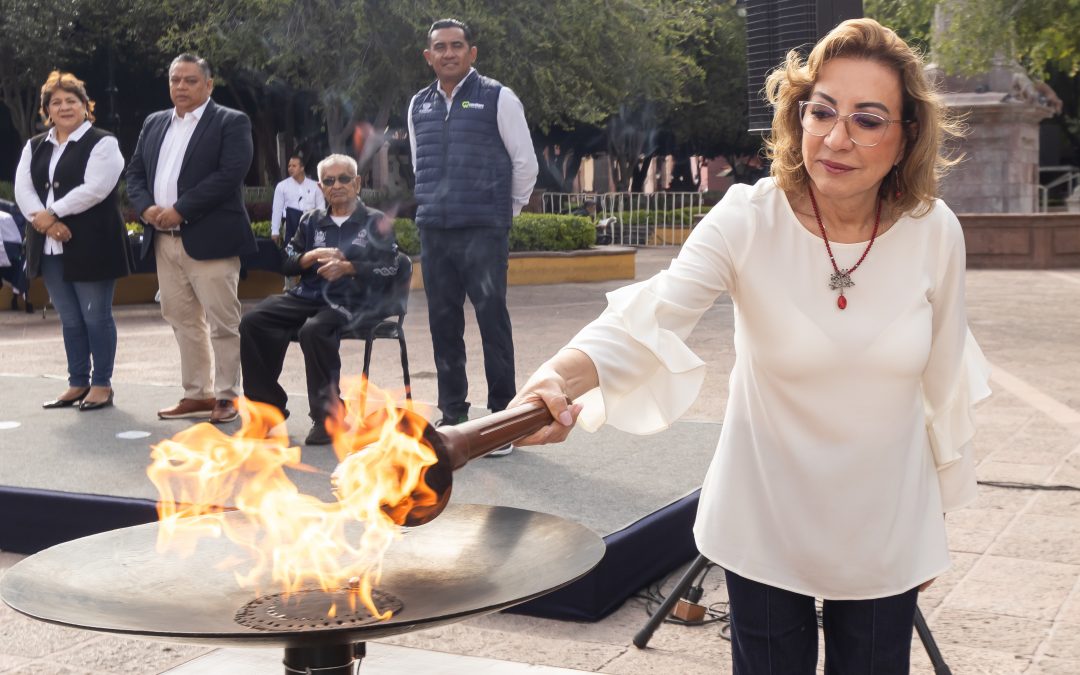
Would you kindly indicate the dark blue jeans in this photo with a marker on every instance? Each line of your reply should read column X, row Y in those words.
column 85, row 309
column 774, row 632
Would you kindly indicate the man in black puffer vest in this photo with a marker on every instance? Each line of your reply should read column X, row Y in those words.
column 475, row 168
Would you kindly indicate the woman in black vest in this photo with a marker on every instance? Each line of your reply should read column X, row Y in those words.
column 66, row 185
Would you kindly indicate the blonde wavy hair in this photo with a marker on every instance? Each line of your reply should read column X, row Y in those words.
column 58, row 81
column 927, row 127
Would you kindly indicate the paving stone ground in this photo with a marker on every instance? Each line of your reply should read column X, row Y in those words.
column 1010, row 603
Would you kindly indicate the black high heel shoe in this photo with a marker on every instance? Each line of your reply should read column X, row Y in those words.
column 97, row 405
column 66, row 402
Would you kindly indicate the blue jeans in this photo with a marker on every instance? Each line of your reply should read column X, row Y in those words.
column 774, row 632
column 85, row 309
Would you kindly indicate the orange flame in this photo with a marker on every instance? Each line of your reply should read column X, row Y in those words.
column 297, row 540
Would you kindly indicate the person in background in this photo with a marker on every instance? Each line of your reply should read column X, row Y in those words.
column 346, row 257
column 475, row 169
column 186, row 182
column 293, row 197
column 849, row 419
column 12, row 228
column 66, row 187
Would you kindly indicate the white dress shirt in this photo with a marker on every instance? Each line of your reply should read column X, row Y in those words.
column 9, row 231
column 514, row 131
column 847, row 433
column 290, row 194
column 171, row 155
column 103, row 169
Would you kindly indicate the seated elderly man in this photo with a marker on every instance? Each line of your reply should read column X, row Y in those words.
column 346, row 257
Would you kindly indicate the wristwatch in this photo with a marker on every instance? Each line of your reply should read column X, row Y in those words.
column 52, row 213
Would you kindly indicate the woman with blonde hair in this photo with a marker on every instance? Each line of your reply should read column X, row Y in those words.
column 848, row 426
column 66, row 186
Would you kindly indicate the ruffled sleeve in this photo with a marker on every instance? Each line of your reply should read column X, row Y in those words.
column 952, row 427
column 648, row 375
column 956, row 378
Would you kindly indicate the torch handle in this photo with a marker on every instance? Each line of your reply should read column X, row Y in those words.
column 475, row 438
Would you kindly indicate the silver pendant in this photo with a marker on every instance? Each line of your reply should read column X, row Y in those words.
column 840, row 280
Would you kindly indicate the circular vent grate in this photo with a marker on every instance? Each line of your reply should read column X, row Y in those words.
column 313, row 610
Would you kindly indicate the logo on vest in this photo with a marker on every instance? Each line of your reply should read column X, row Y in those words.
column 426, row 107
column 320, row 239
column 468, row 104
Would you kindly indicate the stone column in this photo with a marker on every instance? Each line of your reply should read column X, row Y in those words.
column 1002, row 109
column 1000, row 171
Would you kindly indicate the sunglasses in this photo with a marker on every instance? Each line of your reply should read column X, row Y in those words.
column 344, row 179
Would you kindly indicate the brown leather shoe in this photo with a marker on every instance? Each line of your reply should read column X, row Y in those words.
column 188, row 407
column 224, row 411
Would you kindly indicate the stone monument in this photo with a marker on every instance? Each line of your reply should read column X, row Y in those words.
column 1002, row 108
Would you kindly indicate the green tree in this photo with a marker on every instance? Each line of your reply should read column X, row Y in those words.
column 713, row 119
column 36, row 41
column 1040, row 34
column 911, row 19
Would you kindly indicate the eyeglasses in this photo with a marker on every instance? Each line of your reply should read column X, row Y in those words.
column 344, row 179
column 865, row 129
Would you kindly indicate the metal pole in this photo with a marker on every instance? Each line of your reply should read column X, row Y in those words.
column 336, row 659
column 930, row 645
column 641, row 640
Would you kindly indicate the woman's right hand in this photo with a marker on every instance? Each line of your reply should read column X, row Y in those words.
column 568, row 374
column 42, row 221
column 548, row 387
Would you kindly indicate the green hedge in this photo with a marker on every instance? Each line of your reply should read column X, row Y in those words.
column 408, row 237
column 529, row 232
column 261, row 228
column 643, row 217
column 550, row 232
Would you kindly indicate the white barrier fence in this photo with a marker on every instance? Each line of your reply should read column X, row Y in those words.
column 633, row 218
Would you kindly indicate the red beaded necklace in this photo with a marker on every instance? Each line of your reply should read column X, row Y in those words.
column 841, row 279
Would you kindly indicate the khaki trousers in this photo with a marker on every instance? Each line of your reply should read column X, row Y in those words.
column 198, row 299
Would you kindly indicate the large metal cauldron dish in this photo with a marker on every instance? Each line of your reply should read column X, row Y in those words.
column 468, row 561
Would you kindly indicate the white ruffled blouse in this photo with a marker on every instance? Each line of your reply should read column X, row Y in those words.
column 847, row 433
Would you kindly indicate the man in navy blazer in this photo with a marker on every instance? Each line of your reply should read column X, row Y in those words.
column 186, row 181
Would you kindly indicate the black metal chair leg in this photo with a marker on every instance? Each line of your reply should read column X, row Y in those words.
column 405, row 371
column 364, row 380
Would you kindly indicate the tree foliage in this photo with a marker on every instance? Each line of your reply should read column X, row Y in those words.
column 1040, row 34
column 649, row 74
column 37, row 39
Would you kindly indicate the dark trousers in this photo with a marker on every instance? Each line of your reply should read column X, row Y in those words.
column 468, row 262
column 774, row 632
column 14, row 275
column 265, row 333
column 292, row 221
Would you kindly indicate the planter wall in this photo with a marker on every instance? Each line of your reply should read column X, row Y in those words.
column 533, row 268
column 1021, row 240
column 140, row 288
column 538, row 268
